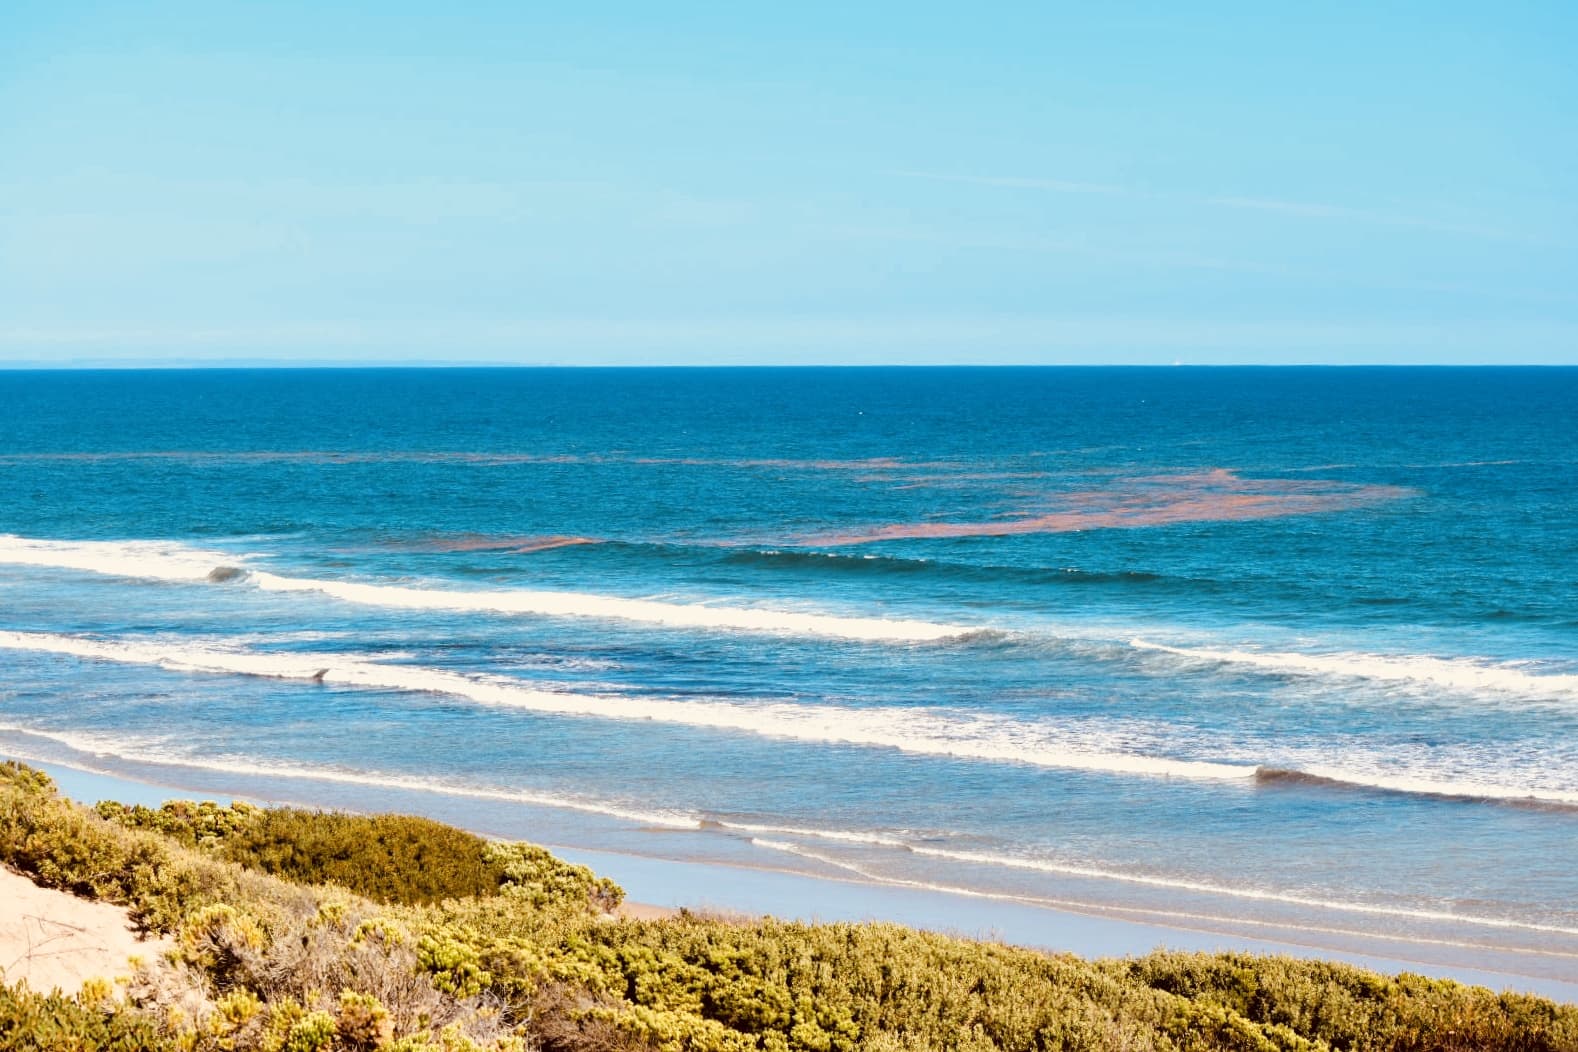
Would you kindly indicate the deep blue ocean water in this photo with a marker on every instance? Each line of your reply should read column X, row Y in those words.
column 1250, row 650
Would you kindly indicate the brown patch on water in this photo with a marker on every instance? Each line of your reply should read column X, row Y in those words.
column 882, row 466
column 953, row 479
column 1218, row 495
column 476, row 542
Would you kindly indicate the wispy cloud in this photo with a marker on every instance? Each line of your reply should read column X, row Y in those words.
column 1304, row 209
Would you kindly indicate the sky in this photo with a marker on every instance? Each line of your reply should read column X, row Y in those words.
column 611, row 183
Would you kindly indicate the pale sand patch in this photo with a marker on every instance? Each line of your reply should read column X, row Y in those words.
column 643, row 911
column 53, row 939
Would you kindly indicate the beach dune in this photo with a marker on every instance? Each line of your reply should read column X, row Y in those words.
column 51, row 939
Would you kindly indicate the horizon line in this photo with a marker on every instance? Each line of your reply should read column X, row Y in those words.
column 332, row 364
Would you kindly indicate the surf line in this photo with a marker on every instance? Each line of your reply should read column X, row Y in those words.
column 672, row 820
column 100, row 747
column 1459, row 674
column 915, row 732
column 871, row 876
column 162, row 561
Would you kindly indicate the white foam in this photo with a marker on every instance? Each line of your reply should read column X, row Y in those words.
column 1196, row 886
column 848, row 837
column 1096, row 873
column 167, row 561
column 1207, row 888
column 1425, row 785
column 787, row 848
column 647, row 611
column 144, row 560
column 1456, row 674
column 1171, row 916
column 778, row 845
column 157, row 754
column 920, row 732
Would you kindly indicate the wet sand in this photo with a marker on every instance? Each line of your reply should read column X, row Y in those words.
column 659, row 887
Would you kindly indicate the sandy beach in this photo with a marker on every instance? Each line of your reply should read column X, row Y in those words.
column 660, row 887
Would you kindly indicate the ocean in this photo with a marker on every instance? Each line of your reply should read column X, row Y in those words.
column 1283, row 652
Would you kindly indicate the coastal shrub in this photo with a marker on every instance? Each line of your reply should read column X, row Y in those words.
column 53, row 1022
column 62, row 845
column 253, row 956
column 1346, row 1007
column 545, row 881
column 24, row 779
column 274, row 989
column 699, row 983
column 202, row 823
column 65, row 847
column 388, row 858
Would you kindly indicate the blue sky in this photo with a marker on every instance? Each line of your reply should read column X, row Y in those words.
column 789, row 183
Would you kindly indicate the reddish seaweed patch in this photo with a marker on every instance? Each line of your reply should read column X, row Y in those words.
column 476, row 542
column 1156, row 500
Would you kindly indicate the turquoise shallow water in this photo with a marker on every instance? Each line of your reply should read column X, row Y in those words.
column 1291, row 648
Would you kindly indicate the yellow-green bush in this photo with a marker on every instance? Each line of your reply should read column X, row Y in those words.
column 63, row 846
column 534, row 874
column 1347, row 1007
column 389, row 858
column 31, row 1022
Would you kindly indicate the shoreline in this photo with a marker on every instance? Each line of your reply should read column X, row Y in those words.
column 658, row 886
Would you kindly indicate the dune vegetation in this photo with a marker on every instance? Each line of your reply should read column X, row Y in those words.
column 299, row 931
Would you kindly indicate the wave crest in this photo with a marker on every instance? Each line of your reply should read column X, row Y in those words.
column 161, row 561
column 1329, row 778
column 918, row 732
column 1455, row 673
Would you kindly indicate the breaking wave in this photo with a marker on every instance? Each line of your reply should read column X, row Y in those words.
column 159, row 755
column 160, row 561
column 1332, row 778
column 919, row 732
column 1454, row 673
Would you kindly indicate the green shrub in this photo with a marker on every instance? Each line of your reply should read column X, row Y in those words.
column 53, row 1022
column 535, row 874
column 389, row 858
column 61, row 845
column 257, row 964
column 21, row 778
column 1346, row 1007
column 696, row 983
column 202, row 823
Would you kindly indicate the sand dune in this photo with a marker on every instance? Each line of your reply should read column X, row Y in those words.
column 53, row 939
